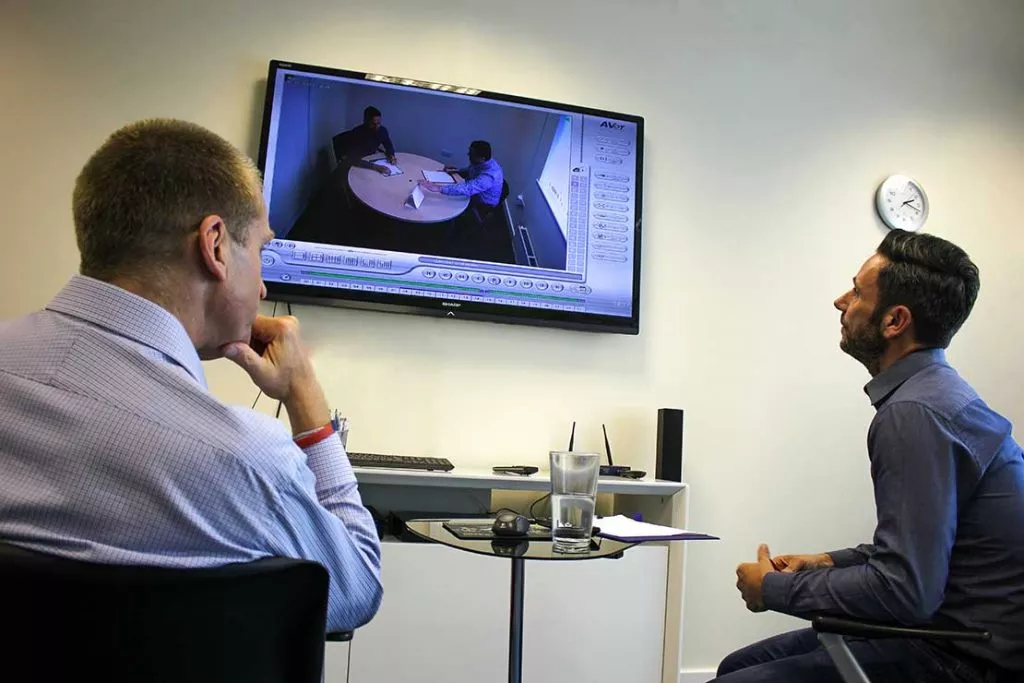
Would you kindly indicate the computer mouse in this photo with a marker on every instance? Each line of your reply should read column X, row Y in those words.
column 508, row 523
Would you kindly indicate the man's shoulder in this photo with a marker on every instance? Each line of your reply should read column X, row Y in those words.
column 254, row 441
column 35, row 345
column 938, row 399
column 34, row 323
column 242, row 439
column 119, row 376
column 260, row 440
column 938, row 388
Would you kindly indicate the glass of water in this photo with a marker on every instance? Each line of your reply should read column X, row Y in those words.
column 573, row 495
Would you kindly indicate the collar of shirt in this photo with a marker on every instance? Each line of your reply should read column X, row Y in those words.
column 488, row 165
column 890, row 379
column 128, row 315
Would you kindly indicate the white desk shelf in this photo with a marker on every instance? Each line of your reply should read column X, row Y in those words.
column 481, row 479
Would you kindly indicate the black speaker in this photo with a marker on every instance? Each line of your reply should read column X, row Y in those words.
column 669, row 463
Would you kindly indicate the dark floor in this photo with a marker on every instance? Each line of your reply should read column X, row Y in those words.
column 335, row 216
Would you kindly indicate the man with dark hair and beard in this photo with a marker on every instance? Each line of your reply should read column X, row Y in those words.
column 948, row 548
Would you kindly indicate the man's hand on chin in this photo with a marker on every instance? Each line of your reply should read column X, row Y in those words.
column 275, row 358
column 278, row 363
column 750, row 579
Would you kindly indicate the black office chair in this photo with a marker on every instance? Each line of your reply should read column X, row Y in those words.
column 340, row 145
column 258, row 622
column 831, row 632
column 484, row 213
column 340, row 149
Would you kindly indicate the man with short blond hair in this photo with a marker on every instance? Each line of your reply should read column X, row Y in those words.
column 112, row 449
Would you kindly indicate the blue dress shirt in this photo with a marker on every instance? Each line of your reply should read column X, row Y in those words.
column 948, row 547
column 484, row 180
column 113, row 450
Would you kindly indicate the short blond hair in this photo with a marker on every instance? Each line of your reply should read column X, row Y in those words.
column 149, row 185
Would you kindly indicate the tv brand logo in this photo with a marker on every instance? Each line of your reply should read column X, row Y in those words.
column 614, row 125
column 451, row 304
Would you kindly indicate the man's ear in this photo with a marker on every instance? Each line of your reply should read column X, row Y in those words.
column 213, row 238
column 896, row 321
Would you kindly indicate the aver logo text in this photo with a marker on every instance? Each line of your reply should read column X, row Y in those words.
column 614, row 125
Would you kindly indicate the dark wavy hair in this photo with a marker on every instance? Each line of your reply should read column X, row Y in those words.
column 933, row 278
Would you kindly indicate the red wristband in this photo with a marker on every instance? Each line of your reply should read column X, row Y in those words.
column 315, row 437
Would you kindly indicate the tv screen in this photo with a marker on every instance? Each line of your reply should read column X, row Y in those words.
column 407, row 196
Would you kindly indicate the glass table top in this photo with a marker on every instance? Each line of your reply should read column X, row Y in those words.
column 528, row 549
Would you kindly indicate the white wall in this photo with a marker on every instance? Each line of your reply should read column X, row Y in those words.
column 769, row 126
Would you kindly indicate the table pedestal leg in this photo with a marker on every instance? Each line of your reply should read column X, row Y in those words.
column 515, row 624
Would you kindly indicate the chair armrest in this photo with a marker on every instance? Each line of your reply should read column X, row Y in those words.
column 338, row 637
column 866, row 629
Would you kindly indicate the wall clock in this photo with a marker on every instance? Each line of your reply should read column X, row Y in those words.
column 902, row 203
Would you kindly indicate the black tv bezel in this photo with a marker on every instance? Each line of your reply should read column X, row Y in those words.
column 456, row 308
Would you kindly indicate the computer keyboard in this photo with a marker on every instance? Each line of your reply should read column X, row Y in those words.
column 400, row 462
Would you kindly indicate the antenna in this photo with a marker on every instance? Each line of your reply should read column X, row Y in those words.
column 572, row 435
column 607, row 446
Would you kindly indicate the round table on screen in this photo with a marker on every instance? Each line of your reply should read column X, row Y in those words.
column 388, row 194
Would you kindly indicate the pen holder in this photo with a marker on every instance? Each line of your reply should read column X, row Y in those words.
column 341, row 426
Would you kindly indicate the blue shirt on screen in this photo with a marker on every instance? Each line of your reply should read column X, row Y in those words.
column 483, row 180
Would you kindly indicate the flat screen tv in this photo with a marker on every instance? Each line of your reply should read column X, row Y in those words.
column 401, row 195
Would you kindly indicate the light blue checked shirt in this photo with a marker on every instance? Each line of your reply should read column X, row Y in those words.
column 113, row 450
column 483, row 179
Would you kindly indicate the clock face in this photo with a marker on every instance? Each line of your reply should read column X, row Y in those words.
column 902, row 203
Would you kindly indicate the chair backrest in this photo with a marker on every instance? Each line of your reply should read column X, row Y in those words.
column 340, row 144
column 485, row 213
column 62, row 620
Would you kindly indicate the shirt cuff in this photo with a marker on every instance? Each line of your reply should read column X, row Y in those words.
column 847, row 557
column 329, row 464
column 775, row 590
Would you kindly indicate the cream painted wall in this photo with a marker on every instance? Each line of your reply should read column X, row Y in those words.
column 769, row 126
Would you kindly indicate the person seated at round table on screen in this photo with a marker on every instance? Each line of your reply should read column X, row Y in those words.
column 368, row 138
column 483, row 178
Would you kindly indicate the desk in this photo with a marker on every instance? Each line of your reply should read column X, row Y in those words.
column 435, row 599
column 387, row 194
column 518, row 552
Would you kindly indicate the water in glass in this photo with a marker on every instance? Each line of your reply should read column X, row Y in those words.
column 572, row 518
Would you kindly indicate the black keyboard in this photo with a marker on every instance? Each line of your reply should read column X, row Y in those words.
column 400, row 462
